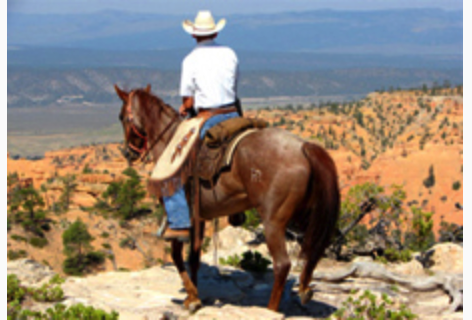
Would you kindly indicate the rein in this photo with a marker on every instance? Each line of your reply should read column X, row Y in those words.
column 159, row 137
column 144, row 149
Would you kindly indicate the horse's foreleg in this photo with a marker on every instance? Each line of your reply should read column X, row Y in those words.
column 191, row 302
column 275, row 237
column 194, row 257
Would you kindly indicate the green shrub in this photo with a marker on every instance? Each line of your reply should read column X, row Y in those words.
column 38, row 242
column 47, row 293
column 15, row 255
column 233, row 261
column 60, row 311
column 456, row 185
column 252, row 220
column 393, row 255
column 128, row 243
column 14, row 291
column 121, row 269
column 18, row 238
column 77, row 265
column 250, row 261
column 254, row 261
column 87, row 169
column 106, row 246
column 366, row 306
column 95, row 257
column 105, row 234
column 57, row 279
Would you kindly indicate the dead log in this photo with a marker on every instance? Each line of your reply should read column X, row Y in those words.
column 451, row 284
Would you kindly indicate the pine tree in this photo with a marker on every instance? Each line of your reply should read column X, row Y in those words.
column 26, row 207
column 131, row 192
column 76, row 239
column 77, row 246
column 124, row 196
column 422, row 229
column 430, row 180
column 69, row 186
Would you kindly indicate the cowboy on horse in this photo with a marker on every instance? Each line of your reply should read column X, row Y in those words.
column 292, row 183
column 208, row 85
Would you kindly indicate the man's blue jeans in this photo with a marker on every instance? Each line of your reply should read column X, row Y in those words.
column 178, row 212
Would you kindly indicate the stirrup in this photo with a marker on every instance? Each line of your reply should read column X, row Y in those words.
column 162, row 228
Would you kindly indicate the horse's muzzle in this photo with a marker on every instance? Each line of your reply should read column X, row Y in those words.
column 129, row 154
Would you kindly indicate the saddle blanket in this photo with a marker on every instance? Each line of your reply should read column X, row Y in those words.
column 174, row 165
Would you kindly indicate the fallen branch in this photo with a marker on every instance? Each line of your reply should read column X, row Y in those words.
column 450, row 284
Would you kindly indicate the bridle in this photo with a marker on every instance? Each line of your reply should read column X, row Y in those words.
column 142, row 135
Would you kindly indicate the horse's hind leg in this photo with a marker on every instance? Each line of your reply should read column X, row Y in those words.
column 191, row 302
column 275, row 237
column 304, row 290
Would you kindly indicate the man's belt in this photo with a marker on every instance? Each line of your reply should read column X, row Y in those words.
column 210, row 112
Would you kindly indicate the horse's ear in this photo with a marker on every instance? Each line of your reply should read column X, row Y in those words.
column 122, row 94
column 148, row 88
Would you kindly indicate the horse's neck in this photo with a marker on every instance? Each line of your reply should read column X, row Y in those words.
column 168, row 120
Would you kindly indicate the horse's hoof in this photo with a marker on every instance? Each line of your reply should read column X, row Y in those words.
column 194, row 306
column 306, row 296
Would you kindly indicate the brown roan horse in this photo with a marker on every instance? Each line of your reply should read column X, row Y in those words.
column 292, row 184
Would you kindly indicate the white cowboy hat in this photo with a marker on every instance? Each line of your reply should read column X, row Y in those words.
column 204, row 24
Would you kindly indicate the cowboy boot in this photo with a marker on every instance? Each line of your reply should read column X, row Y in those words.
column 180, row 234
column 168, row 234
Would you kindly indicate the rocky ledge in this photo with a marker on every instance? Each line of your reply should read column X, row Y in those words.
column 230, row 293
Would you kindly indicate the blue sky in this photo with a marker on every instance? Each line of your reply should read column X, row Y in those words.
column 219, row 6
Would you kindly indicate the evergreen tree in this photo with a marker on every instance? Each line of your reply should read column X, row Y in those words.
column 124, row 196
column 131, row 192
column 12, row 181
column 26, row 207
column 69, row 186
column 77, row 246
column 422, row 223
column 76, row 239
column 430, row 180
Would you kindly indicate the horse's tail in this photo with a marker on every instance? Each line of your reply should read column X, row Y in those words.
column 323, row 209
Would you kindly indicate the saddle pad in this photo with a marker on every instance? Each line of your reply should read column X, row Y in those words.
column 178, row 149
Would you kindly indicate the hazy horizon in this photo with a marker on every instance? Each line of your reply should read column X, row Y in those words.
column 220, row 7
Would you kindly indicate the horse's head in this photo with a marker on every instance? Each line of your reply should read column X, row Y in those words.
column 135, row 143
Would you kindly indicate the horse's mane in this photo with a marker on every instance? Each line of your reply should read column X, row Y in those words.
column 151, row 109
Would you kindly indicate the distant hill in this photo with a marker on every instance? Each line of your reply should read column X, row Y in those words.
column 171, row 59
column 406, row 31
column 47, row 86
